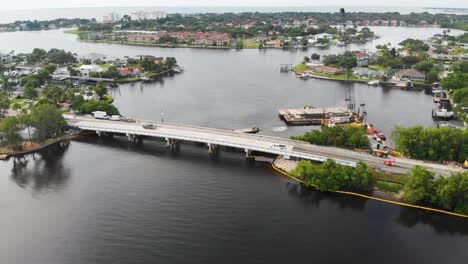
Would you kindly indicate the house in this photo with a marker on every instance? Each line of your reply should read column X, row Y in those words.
column 463, row 57
column 362, row 59
column 85, row 70
column 328, row 70
column 404, row 53
column 273, row 44
column 403, row 23
column 410, row 74
column 323, row 36
column 367, row 73
column 123, row 71
column 441, row 56
column 394, row 22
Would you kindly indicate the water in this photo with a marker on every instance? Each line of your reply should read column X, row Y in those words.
column 8, row 16
column 108, row 201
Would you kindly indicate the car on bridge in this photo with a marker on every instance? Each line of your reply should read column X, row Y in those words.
column 278, row 146
column 149, row 126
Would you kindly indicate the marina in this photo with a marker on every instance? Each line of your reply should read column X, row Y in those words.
column 316, row 116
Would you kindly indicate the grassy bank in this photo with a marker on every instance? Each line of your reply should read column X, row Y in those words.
column 77, row 31
column 154, row 44
column 300, row 67
column 341, row 77
column 389, row 187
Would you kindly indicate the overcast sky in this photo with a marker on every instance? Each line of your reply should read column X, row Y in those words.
column 30, row 4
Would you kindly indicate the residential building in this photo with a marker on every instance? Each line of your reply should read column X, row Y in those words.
column 410, row 74
column 364, row 72
column 85, row 70
column 273, row 44
column 362, row 59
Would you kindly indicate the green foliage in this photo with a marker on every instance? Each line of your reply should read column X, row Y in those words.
column 419, row 187
column 4, row 101
column 459, row 94
column 436, row 144
column 300, row 67
column 345, row 60
column 339, row 136
column 48, row 121
column 88, row 107
column 53, row 93
column 424, row 66
column 100, row 88
column 414, row 45
column 315, row 56
column 9, row 128
column 330, row 176
column 389, row 187
column 60, row 57
column 455, row 80
column 449, row 193
column 30, row 92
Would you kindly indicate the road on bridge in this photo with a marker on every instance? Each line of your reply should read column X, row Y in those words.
column 254, row 142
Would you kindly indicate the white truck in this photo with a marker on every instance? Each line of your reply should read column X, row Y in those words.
column 100, row 115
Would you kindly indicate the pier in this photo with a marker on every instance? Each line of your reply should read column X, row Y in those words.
column 212, row 138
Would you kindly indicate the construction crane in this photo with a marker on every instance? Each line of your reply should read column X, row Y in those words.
column 349, row 89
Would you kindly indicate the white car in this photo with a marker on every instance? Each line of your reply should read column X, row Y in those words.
column 278, row 146
column 115, row 117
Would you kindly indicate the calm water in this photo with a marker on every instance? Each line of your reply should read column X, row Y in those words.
column 108, row 201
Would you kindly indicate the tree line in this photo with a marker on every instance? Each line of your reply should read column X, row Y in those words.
column 350, row 137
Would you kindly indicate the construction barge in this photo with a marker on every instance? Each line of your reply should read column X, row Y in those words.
column 317, row 116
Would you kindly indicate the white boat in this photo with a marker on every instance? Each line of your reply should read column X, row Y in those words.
column 442, row 109
column 374, row 82
column 304, row 76
column 405, row 84
column 177, row 69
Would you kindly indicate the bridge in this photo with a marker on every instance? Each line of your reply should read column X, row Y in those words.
column 214, row 138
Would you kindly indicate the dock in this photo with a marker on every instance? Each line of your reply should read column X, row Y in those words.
column 315, row 116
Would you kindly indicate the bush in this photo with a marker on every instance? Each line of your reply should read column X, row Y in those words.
column 350, row 137
column 389, row 187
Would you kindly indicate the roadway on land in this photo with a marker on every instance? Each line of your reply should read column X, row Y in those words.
column 254, row 142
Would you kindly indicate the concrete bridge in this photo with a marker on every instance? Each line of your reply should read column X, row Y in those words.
column 248, row 142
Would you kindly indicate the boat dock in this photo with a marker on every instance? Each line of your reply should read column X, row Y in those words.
column 315, row 116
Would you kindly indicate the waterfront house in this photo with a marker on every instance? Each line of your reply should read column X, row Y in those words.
column 85, row 70
column 273, row 44
column 327, row 70
column 362, row 59
column 364, row 72
column 410, row 74
column 440, row 56
column 123, row 71
column 403, row 23
column 323, row 36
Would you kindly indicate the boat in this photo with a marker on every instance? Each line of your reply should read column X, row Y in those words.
column 250, row 130
column 442, row 108
column 304, row 76
column 145, row 78
column 177, row 69
column 404, row 84
column 374, row 82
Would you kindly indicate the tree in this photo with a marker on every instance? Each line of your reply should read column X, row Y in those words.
column 26, row 120
column 4, row 101
column 306, row 59
column 30, row 92
column 424, row 66
column 419, row 187
column 16, row 107
column 315, row 56
column 455, row 81
column 52, row 93
column 10, row 129
column 48, row 121
column 90, row 106
column 100, row 89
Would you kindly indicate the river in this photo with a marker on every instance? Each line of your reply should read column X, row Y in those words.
column 108, row 201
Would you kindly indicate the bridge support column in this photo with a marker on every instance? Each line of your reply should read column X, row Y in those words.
column 211, row 148
column 131, row 137
column 248, row 153
column 99, row 133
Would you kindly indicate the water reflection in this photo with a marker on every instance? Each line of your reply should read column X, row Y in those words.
column 441, row 223
column 42, row 171
column 313, row 197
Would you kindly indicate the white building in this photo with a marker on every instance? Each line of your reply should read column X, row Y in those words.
column 152, row 15
column 86, row 69
column 323, row 36
column 111, row 18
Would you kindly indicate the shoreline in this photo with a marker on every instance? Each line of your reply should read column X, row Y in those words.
column 7, row 155
column 385, row 196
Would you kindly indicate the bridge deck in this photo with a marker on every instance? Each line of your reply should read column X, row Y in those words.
column 252, row 142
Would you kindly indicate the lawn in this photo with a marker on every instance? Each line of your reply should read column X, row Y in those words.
column 251, row 44
column 300, row 67
column 77, row 31
column 377, row 67
column 341, row 77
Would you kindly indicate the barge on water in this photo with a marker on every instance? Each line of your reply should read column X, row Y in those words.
column 315, row 116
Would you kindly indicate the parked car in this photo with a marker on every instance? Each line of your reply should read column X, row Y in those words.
column 115, row 117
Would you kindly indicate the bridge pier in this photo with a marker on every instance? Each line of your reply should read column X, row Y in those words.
column 170, row 142
column 248, row 154
column 211, row 148
column 131, row 137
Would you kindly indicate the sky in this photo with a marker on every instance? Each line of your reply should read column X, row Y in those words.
column 33, row 4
